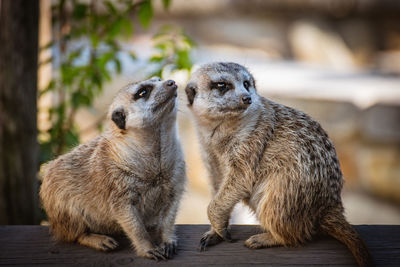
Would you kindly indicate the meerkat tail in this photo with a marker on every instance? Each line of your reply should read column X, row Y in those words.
column 337, row 227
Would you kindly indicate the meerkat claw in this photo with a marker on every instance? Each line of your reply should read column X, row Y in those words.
column 203, row 244
column 210, row 238
column 169, row 250
column 156, row 255
column 112, row 243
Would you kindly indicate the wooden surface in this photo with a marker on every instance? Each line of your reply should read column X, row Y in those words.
column 32, row 245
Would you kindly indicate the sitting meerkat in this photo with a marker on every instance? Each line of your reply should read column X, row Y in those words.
column 275, row 159
column 130, row 179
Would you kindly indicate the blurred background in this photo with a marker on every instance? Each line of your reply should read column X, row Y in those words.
column 337, row 60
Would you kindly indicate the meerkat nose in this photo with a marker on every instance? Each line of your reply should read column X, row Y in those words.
column 246, row 99
column 170, row 82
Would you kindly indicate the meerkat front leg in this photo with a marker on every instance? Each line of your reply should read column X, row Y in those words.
column 220, row 209
column 210, row 237
column 169, row 239
column 132, row 224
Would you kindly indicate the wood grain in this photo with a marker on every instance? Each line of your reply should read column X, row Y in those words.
column 33, row 245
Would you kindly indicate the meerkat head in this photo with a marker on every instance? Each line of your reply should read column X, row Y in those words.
column 221, row 89
column 143, row 104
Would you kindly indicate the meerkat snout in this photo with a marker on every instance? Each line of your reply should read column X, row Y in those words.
column 246, row 99
column 170, row 83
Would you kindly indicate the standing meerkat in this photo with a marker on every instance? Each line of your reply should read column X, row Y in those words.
column 275, row 159
column 130, row 179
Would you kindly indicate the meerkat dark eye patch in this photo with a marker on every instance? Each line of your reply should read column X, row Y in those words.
column 118, row 117
column 143, row 92
column 221, row 86
column 190, row 93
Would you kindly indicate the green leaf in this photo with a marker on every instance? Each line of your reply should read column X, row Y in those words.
column 115, row 28
column 113, row 44
column 162, row 46
column 69, row 73
column 79, row 99
column 117, row 63
column 132, row 55
column 187, row 40
column 94, row 39
column 71, row 138
column 96, row 79
column 157, row 58
column 79, row 11
column 183, row 60
column 127, row 27
column 145, row 13
column 74, row 54
column 46, row 152
column 165, row 29
column 111, row 8
column 157, row 73
column 166, row 3
column 105, row 58
column 106, row 74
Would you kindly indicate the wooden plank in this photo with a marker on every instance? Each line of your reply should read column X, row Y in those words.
column 32, row 245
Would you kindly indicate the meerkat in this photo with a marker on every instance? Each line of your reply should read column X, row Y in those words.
column 276, row 159
column 129, row 179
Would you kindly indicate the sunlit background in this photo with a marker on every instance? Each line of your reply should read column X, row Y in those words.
column 337, row 60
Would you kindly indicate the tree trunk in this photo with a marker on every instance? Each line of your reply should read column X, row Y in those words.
column 18, row 94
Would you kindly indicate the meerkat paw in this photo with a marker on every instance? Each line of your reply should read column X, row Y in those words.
column 209, row 238
column 260, row 241
column 156, row 253
column 170, row 248
column 226, row 235
column 99, row 242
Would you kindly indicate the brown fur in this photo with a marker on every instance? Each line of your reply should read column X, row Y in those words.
column 130, row 179
column 276, row 159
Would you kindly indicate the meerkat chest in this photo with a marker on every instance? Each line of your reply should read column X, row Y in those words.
column 154, row 194
column 225, row 140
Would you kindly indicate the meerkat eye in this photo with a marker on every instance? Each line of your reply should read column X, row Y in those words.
column 142, row 92
column 221, row 85
column 246, row 85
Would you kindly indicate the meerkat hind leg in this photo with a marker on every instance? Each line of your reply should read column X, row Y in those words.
column 96, row 241
column 263, row 240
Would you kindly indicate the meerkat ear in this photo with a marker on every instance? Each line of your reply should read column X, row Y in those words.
column 118, row 117
column 190, row 92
